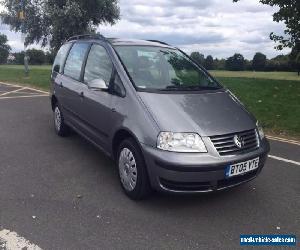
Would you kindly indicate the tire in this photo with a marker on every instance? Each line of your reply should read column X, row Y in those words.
column 132, row 170
column 59, row 123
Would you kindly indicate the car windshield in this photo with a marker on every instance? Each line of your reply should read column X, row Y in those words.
column 166, row 69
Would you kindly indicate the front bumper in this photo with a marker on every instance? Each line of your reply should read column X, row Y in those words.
column 198, row 172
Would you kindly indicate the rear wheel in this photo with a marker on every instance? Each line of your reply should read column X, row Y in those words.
column 132, row 170
column 59, row 123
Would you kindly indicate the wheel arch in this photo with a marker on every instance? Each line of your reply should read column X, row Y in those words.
column 121, row 135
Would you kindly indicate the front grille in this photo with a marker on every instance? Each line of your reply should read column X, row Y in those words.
column 225, row 144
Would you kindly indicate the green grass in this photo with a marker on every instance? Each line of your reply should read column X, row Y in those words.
column 39, row 76
column 273, row 100
column 275, row 103
column 293, row 76
column 21, row 67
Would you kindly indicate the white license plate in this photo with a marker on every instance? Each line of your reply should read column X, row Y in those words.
column 242, row 167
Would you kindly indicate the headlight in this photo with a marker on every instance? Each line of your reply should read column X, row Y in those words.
column 181, row 142
column 260, row 131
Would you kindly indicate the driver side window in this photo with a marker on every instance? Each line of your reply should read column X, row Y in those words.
column 98, row 65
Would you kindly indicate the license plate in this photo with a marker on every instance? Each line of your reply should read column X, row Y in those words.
column 242, row 167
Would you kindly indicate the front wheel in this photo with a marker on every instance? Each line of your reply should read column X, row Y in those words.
column 59, row 123
column 132, row 170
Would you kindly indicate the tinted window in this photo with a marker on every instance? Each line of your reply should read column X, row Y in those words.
column 75, row 60
column 98, row 66
column 61, row 57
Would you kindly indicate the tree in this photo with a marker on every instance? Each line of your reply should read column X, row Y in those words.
column 259, row 61
column 283, row 63
column 219, row 64
column 235, row 63
column 49, row 57
column 248, row 65
column 19, row 57
column 198, row 58
column 279, row 63
column 36, row 57
column 52, row 22
column 209, row 63
column 289, row 13
column 4, row 49
column 295, row 58
column 298, row 63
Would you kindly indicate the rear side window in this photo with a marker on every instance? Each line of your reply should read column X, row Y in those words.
column 98, row 65
column 75, row 60
column 60, row 58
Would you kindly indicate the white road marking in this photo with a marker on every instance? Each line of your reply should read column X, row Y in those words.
column 28, row 93
column 12, row 91
column 12, row 241
column 18, row 86
column 273, row 138
column 283, row 159
column 25, row 96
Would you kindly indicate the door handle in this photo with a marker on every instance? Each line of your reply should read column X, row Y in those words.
column 113, row 110
column 81, row 94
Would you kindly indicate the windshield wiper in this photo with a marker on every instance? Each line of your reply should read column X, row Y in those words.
column 178, row 87
column 173, row 87
column 202, row 87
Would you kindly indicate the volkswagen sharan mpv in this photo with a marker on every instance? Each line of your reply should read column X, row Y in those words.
column 168, row 124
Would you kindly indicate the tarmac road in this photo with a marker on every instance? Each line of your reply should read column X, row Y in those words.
column 62, row 193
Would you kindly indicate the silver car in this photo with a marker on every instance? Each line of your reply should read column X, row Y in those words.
column 168, row 124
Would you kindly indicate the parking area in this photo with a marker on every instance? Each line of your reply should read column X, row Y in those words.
column 62, row 193
column 11, row 91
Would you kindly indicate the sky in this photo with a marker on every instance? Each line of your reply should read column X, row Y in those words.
column 213, row 27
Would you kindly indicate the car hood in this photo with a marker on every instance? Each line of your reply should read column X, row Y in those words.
column 210, row 113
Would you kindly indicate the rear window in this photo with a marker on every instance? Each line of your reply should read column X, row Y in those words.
column 60, row 58
column 75, row 60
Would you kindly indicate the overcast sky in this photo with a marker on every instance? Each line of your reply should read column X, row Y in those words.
column 217, row 27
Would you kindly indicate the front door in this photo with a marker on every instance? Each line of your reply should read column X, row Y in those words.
column 96, row 109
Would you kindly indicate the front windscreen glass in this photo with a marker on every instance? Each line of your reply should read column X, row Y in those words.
column 157, row 68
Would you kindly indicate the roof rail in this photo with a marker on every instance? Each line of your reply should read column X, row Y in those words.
column 85, row 36
column 157, row 41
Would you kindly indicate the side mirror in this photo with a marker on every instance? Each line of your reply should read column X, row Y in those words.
column 97, row 84
column 56, row 68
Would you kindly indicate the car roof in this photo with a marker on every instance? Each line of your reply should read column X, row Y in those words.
column 118, row 41
column 136, row 42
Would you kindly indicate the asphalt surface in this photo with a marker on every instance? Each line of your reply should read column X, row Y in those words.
column 62, row 193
